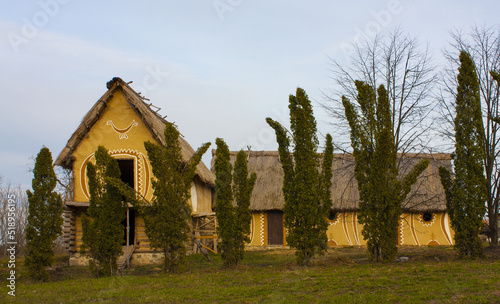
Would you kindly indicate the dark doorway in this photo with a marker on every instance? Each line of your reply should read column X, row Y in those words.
column 275, row 227
column 127, row 171
column 131, row 223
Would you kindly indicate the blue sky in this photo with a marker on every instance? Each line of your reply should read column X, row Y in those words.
column 217, row 68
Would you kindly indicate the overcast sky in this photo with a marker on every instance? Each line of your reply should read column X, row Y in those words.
column 217, row 68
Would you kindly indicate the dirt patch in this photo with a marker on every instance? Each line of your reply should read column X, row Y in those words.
column 492, row 253
column 280, row 252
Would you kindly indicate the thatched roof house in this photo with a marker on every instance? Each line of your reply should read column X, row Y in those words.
column 152, row 120
column 427, row 194
column 424, row 222
column 122, row 121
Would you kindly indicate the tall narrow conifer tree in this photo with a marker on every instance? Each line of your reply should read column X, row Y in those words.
column 306, row 189
column 167, row 216
column 466, row 193
column 233, row 221
column 374, row 150
column 242, row 189
column 44, row 217
column 103, row 231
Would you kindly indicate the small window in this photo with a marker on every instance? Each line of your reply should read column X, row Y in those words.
column 332, row 216
column 427, row 217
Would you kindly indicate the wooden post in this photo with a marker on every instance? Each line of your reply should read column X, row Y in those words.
column 196, row 234
column 215, row 229
column 128, row 238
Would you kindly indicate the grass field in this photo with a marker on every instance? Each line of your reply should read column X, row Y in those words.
column 343, row 275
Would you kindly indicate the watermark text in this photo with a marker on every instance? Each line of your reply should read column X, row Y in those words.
column 224, row 6
column 31, row 26
column 380, row 20
column 11, row 244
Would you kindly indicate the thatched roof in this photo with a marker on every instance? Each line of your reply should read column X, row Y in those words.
column 427, row 194
column 154, row 122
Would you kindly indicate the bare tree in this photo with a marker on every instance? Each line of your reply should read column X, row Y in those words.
column 17, row 216
column 18, row 195
column 65, row 183
column 66, row 188
column 404, row 67
column 483, row 44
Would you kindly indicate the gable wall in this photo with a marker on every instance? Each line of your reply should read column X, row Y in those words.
column 130, row 144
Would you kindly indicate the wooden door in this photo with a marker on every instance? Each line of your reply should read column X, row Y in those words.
column 275, row 227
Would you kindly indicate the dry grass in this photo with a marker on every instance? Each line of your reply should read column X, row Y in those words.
column 342, row 275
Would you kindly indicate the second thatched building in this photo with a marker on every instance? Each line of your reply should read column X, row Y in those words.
column 424, row 221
